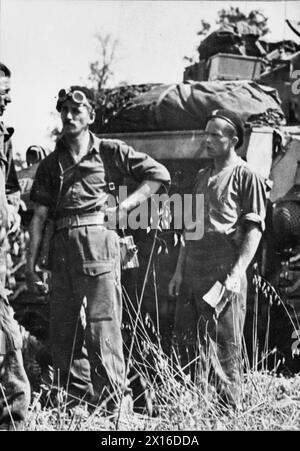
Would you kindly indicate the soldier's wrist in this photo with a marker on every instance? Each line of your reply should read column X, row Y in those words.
column 236, row 272
column 179, row 272
column 124, row 208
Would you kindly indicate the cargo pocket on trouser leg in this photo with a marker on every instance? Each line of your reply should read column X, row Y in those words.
column 103, row 334
column 100, row 289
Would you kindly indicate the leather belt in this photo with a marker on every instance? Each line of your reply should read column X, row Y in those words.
column 72, row 221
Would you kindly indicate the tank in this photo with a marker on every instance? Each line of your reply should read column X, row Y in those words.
column 272, row 146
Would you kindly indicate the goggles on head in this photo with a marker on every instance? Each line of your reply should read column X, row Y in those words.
column 76, row 96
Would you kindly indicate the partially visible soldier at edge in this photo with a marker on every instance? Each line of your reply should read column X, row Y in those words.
column 72, row 186
column 14, row 384
column 234, row 218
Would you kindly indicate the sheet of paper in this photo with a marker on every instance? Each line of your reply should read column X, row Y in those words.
column 214, row 295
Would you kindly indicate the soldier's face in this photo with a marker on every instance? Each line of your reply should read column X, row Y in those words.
column 75, row 117
column 218, row 140
column 4, row 93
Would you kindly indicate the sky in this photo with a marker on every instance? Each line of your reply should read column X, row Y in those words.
column 48, row 45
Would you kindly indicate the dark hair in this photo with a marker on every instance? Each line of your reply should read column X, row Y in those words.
column 233, row 119
column 4, row 71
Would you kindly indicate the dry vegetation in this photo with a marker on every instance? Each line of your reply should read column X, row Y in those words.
column 270, row 401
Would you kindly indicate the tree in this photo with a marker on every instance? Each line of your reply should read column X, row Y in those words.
column 100, row 73
column 109, row 101
column 101, row 70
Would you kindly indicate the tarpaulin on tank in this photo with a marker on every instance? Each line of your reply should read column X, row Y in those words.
column 185, row 106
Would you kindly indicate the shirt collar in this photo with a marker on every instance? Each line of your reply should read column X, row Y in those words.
column 62, row 145
column 94, row 143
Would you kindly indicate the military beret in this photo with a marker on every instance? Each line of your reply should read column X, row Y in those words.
column 233, row 119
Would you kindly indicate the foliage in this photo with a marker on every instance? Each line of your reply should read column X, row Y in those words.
column 101, row 70
column 271, row 403
column 100, row 74
column 176, row 403
column 205, row 28
column 172, row 401
column 111, row 101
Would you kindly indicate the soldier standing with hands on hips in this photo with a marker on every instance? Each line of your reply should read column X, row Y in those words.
column 72, row 186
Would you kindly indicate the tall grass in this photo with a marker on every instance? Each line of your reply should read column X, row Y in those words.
column 270, row 402
column 171, row 399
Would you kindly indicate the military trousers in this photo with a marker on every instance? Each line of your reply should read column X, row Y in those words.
column 86, row 313
column 207, row 343
column 14, row 384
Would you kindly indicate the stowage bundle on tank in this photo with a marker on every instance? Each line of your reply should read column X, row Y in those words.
column 185, row 106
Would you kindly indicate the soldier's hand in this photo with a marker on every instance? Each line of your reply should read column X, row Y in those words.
column 233, row 283
column 35, row 284
column 175, row 284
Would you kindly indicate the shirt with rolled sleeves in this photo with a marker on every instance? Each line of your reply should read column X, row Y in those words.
column 68, row 187
column 232, row 198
